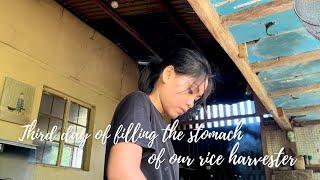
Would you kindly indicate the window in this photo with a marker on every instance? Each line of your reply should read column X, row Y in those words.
column 64, row 112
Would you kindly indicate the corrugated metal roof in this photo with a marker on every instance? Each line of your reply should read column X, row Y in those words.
column 275, row 36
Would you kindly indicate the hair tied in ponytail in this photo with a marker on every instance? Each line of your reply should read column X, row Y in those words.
column 149, row 75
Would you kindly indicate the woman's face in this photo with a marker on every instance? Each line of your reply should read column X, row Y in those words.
column 179, row 92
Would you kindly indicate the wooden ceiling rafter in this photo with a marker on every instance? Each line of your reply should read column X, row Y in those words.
column 135, row 3
column 81, row 6
column 302, row 110
column 93, row 10
column 96, row 13
column 257, row 12
column 138, row 8
column 286, row 61
column 295, row 91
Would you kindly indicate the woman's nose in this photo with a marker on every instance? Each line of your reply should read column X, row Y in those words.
column 190, row 103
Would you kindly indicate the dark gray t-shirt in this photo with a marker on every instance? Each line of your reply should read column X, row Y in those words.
column 138, row 108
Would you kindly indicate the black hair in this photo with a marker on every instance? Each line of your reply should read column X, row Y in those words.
column 185, row 62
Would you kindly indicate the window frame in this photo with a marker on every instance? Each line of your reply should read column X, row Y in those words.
column 86, row 149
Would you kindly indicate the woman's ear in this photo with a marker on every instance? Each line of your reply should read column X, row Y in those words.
column 168, row 73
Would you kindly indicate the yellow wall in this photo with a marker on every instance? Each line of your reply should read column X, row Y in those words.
column 42, row 44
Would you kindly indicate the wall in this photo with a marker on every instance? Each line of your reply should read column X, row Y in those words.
column 43, row 44
column 307, row 142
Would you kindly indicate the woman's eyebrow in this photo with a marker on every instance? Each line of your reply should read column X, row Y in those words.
column 198, row 85
column 197, row 89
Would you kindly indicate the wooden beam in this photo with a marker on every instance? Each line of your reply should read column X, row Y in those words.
column 282, row 114
column 212, row 21
column 286, row 61
column 243, row 51
column 302, row 110
column 257, row 12
column 293, row 91
column 314, row 167
column 107, row 9
column 259, row 107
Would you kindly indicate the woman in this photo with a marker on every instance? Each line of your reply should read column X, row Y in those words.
column 167, row 90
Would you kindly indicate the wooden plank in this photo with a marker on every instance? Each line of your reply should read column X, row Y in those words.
column 293, row 91
column 314, row 167
column 124, row 25
column 291, row 148
column 282, row 114
column 92, row 10
column 302, row 110
column 286, row 61
column 243, row 52
column 142, row 8
column 259, row 107
column 212, row 21
column 257, row 12
column 80, row 5
column 140, row 12
column 135, row 3
column 96, row 13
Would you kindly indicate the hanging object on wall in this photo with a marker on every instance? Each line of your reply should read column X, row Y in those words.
column 308, row 12
column 291, row 136
column 16, row 102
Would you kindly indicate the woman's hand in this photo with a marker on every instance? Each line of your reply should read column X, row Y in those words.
column 124, row 162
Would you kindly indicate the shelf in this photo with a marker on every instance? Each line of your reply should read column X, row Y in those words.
column 18, row 144
column 314, row 167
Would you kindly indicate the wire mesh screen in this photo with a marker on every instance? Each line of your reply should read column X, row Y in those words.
column 308, row 12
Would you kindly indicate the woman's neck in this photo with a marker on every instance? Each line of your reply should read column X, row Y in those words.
column 155, row 99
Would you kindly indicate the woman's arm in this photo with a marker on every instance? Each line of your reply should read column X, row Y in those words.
column 124, row 162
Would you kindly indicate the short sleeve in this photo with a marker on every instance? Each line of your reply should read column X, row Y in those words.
column 133, row 114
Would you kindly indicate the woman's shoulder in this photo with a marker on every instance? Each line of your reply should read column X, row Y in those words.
column 134, row 104
column 135, row 98
column 136, row 95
